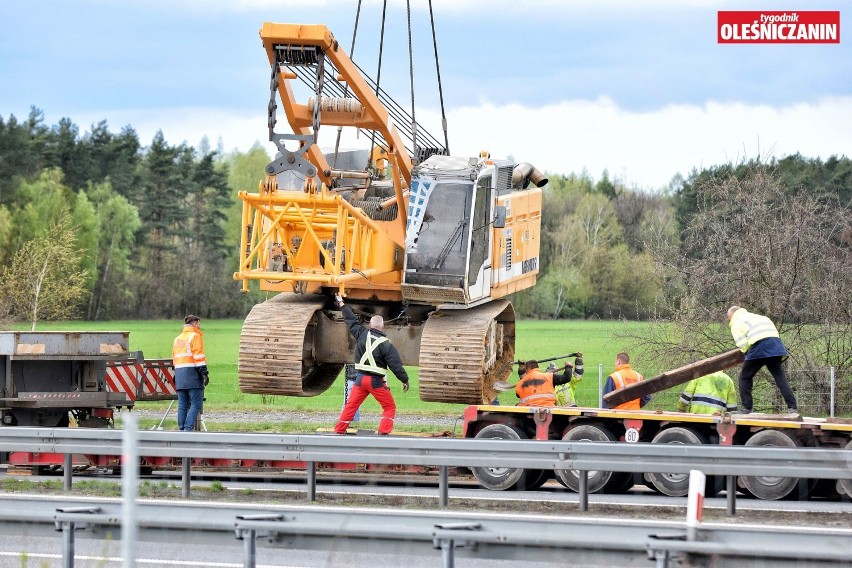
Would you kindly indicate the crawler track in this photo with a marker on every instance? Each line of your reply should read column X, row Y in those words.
column 276, row 349
column 462, row 353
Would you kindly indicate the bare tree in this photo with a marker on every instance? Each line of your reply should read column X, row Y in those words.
column 775, row 250
column 44, row 281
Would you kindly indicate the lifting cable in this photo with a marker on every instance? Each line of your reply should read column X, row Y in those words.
column 399, row 115
column 396, row 111
column 378, row 77
column 440, row 89
column 346, row 91
column 415, row 157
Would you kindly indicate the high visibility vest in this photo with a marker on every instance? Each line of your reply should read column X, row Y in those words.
column 625, row 376
column 536, row 389
column 709, row 394
column 367, row 364
column 748, row 328
column 188, row 349
column 566, row 394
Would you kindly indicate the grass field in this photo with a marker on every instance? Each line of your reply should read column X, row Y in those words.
column 534, row 339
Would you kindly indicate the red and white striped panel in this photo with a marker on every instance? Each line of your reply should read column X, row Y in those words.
column 152, row 379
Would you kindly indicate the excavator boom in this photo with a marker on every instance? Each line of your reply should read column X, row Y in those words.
column 291, row 44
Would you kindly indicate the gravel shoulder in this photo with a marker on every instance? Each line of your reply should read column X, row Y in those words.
column 445, row 421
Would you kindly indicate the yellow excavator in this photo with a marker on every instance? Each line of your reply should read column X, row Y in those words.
column 433, row 243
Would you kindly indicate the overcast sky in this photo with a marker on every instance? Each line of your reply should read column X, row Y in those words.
column 638, row 87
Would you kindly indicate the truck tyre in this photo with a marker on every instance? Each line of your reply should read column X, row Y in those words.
column 533, row 479
column 675, row 484
column 771, row 488
column 620, row 483
column 570, row 478
column 505, row 478
column 846, row 484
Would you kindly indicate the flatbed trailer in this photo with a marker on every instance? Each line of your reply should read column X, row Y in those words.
column 73, row 378
column 48, row 378
column 656, row 427
column 572, row 424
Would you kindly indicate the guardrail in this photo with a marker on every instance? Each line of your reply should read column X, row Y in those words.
column 484, row 536
column 726, row 461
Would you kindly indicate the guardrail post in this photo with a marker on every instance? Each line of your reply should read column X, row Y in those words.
column 443, row 487
column 731, row 494
column 584, row 490
column 249, row 536
column 184, row 477
column 448, row 543
column 68, row 527
column 66, row 472
column 68, row 544
column 312, row 481
column 660, row 556
column 448, row 553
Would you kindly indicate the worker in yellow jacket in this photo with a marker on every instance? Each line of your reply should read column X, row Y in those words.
column 566, row 394
column 191, row 374
column 710, row 394
column 758, row 338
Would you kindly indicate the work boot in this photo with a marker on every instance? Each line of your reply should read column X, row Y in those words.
column 742, row 411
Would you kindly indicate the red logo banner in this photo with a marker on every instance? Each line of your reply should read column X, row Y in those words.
column 778, row 27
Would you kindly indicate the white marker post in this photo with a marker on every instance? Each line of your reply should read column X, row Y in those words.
column 129, row 490
column 695, row 503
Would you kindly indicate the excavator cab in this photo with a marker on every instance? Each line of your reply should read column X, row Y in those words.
column 459, row 242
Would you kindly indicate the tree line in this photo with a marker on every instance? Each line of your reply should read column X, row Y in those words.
column 614, row 252
column 146, row 226
column 154, row 229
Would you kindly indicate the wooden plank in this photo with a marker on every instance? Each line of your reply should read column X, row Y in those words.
column 676, row 377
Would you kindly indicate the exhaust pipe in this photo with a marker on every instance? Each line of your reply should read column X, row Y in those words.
column 525, row 173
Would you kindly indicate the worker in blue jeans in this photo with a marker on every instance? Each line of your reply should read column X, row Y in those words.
column 350, row 374
column 191, row 374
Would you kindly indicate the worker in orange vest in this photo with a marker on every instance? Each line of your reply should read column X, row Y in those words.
column 191, row 374
column 624, row 376
column 537, row 388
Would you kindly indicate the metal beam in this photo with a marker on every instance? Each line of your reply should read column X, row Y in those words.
column 528, row 454
column 534, row 538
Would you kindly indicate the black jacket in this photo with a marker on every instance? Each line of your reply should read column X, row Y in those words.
column 386, row 355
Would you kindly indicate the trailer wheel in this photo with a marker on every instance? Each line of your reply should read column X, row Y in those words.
column 771, row 488
column 533, row 479
column 846, row 484
column 620, row 483
column 570, row 478
column 504, row 478
column 675, row 484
